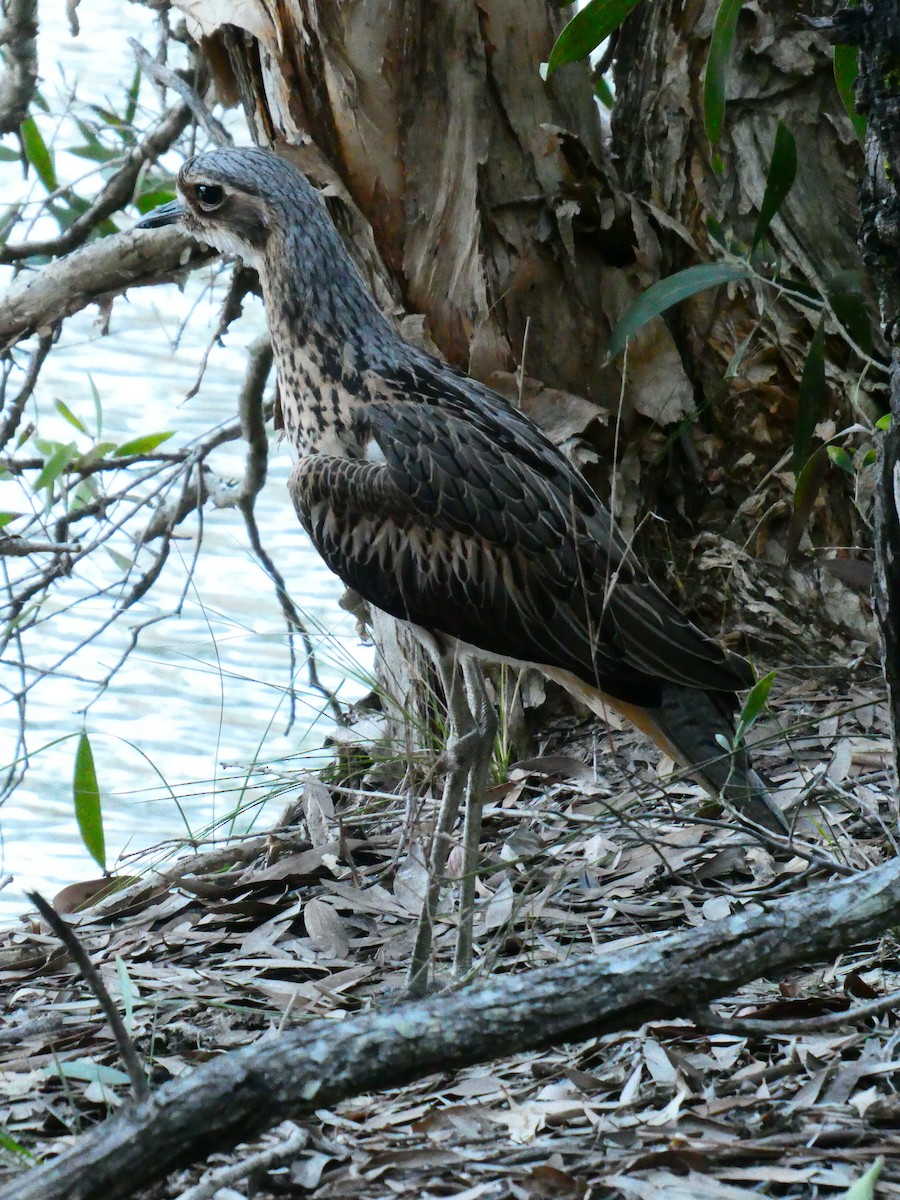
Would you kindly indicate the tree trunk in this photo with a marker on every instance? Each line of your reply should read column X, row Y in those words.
column 488, row 202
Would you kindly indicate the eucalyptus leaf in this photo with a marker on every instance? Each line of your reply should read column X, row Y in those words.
column 143, row 445
column 779, row 179
column 669, row 291
column 38, row 154
column 756, row 701
column 716, row 67
column 846, row 69
column 864, row 1188
column 86, row 794
column 840, row 458
column 64, row 411
column 89, row 1072
column 587, row 30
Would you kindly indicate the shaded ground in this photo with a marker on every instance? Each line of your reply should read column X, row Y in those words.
column 317, row 919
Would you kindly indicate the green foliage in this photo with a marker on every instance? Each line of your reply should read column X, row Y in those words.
column 716, row 67
column 88, row 1071
column 37, row 154
column 756, row 701
column 9, row 1143
column 669, row 291
column 779, row 179
column 864, row 1188
column 846, row 69
column 587, row 30
column 143, row 445
column 86, row 795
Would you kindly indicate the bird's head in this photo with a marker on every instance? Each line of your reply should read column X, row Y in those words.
column 231, row 198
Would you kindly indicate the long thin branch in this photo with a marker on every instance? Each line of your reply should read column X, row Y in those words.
column 136, row 1072
column 240, row 1094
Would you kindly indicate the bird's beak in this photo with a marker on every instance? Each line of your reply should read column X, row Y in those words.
column 166, row 214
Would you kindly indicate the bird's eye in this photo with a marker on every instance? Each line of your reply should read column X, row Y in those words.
column 209, row 196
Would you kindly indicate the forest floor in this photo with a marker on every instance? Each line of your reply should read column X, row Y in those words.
column 588, row 848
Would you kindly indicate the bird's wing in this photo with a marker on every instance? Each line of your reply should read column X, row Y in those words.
column 467, row 532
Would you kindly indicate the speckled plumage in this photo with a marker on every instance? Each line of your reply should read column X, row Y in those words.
column 440, row 503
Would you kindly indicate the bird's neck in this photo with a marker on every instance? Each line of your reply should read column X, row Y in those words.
column 330, row 340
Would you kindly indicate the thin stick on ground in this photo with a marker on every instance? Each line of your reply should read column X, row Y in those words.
column 139, row 1087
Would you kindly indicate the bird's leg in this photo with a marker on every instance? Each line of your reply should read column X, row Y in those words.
column 461, row 744
column 483, row 737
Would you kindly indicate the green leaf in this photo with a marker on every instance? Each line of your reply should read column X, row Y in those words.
column 846, row 69
column 64, row 411
column 883, row 422
column 122, row 561
column 149, row 200
column 143, row 445
column 716, row 67
column 840, row 458
column 587, row 29
column 98, row 407
column 96, row 153
column 63, row 453
column 809, row 484
column 780, row 177
column 86, row 795
column 90, row 1072
column 7, row 517
column 9, row 1143
column 131, row 106
column 864, row 1188
column 7, row 154
column 850, row 309
column 37, row 153
column 669, row 291
column 811, row 397
column 97, row 451
column 604, row 93
column 754, row 704
column 128, row 993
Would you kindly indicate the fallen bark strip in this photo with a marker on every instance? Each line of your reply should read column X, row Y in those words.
column 236, row 1097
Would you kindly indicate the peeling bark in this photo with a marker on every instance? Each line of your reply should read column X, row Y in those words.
column 876, row 29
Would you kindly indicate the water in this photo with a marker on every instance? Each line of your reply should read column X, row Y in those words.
column 207, row 687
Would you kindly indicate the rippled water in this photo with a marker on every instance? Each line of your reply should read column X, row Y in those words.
column 204, row 688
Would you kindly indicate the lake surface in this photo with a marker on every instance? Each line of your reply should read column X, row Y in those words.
column 202, row 689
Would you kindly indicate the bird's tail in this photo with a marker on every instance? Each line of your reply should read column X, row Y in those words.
column 684, row 726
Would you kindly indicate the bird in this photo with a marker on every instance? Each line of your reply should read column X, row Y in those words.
column 445, row 506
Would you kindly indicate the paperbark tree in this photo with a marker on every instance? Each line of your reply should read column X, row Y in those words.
column 511, row 229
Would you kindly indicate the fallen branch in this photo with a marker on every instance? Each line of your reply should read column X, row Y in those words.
column 239, row 1095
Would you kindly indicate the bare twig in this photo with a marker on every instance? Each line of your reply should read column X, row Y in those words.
column 12, row 414
column 138, row 1076
column 171, row 79
column 291, row 1141
column 706, row 1018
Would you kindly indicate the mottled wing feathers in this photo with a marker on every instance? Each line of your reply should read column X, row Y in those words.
column 476, row 527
